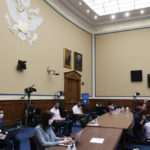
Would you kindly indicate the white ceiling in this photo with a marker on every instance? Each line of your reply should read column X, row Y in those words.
column 78, row 8
column 107, row 7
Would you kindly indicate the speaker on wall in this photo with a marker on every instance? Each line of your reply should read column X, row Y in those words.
column 148, row 80
column 21, row 65
column 136, row 75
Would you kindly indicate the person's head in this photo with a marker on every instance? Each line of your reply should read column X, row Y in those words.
column 138, row 109
column 56, row 104
column 79, row 104
column 46, row 119
column 148, row 117
column 1, row 113
column 109, row 103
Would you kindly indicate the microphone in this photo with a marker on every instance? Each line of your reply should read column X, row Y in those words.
column 31, row 86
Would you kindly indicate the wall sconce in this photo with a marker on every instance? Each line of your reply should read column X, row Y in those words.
column 49, row 71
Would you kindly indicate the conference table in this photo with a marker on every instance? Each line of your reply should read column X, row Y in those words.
column 109, row 126
column 111, row 138
column 122, row 120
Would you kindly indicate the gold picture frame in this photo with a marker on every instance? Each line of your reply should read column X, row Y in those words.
column 67, row 58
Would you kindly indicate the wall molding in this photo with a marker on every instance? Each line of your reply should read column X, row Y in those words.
column 107, row 28
column 120, row 97
column 67, row 17
column 33, row 97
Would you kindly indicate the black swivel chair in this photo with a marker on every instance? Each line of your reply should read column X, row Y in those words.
column 32, row 143
column 37, row 116
column 84, row 121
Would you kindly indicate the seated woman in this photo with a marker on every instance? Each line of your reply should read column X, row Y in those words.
column 44, row 135
column 111, row 106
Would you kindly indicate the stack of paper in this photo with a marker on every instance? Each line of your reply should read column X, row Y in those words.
column 97, row 140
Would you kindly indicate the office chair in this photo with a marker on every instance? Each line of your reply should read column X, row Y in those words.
column 32, row 143
column 75, row 119
column 37, row 115
column 84, row 121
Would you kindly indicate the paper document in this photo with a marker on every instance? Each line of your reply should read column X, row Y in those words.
column 94, row 124
column 97, row 140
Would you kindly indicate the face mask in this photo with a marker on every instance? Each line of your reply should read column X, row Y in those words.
column 56, row 107
column 1, row 116
column 50, row 122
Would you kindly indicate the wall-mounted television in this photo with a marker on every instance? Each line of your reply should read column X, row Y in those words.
column 136, row 75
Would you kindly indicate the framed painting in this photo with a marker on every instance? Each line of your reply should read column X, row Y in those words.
column 67, row 58
column 78, row 61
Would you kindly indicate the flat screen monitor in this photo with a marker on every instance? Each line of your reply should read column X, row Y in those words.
column 136, row 75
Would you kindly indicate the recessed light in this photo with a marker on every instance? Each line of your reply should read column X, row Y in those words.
column 95, row 17
column 87, row 10
column 127, row 14
column 80, row 3
column 142, row 11
column 113, row 17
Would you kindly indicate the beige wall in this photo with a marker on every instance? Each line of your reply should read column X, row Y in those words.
column 116, row 55
column 55, row 33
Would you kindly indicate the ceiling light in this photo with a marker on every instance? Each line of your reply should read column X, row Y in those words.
column 113, row 17
column 87, row 10
column 95, row 17
column 142, row 11
column 127, row 14
column 108, row 7
column 80, row 3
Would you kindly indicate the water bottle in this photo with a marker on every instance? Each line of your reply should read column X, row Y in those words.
column 96, row 121
column 69, row 147
column 74, row 146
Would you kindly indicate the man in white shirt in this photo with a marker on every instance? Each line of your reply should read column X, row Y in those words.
column 61, row 122
column 147, row 129
column 77, row 109
column 79, row 115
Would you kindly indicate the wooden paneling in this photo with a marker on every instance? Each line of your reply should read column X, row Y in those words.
column 72, row 87
column 14, row 109
column 118, row 102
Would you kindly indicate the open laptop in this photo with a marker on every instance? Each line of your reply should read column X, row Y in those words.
column 2, row 137
column 75, row 139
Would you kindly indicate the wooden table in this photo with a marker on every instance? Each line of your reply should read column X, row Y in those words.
column 111, row 138
column 122, row 120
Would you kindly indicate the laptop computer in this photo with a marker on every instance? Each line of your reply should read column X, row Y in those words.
column 3, row 136
column 75, row 139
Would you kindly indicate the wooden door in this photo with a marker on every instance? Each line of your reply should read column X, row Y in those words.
column 72, row 89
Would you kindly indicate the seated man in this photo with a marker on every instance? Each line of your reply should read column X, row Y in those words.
column 78, row 113
column 147, row 129
column 61, row 122
column 5, row 142
column 140, row 120
column 77, row 110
